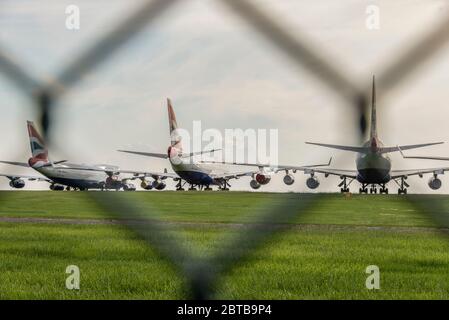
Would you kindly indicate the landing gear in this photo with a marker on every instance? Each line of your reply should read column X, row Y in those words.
column 179, row 186
column 383, row 189
column 402, row 186
column 344, row 185
column 373, row 189
column 224, row 186
column 363, row 189
column 192, row 188
column 208, row 188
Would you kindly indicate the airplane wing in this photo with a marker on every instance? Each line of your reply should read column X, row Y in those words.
column 426, row 158
column 233, row 175
column 414, row 172
column 135, row 174
column 395, row 174
column 275, row 169
column 21, row 164
column 334, row 172
column 421, row 157
column 147, row 154
column 20, row 176
column 165, row 156
column 155, row 175
column 420, row 172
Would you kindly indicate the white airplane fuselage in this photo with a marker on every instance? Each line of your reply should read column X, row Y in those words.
column 188, row 170
column 83, row 179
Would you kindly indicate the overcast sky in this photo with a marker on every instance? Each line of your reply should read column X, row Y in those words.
column 218, row 70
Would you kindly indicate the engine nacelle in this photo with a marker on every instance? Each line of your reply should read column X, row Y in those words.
column 254, row 184
column 158, row 185
column 262, row 178
column 435, row 183
column 17, row 183
column 56, row 187
column 113, row 182
column 146, row 185
column 312, row 183
column 129, row 187
column 289, row 179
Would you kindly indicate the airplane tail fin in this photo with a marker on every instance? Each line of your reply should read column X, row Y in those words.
column 173, row 125
column 39, row 152
column 373, row 128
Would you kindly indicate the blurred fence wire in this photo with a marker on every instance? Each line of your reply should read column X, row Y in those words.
column 202, row 274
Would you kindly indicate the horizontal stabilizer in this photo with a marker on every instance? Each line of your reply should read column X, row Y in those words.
column 369, row 149
column 147, row 154
column 407, row 147
column 339, row 147
column 188, row 155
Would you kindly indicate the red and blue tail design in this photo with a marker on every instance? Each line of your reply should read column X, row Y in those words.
column 39, row 152
column 174, row 134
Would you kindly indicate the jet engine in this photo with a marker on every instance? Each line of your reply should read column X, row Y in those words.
column 312, row 183
column 254, row 184
column 435, row 183
column 146, row 185
column 56, row 187
column 262, row 178
column 113, row 182
column 289, row 179
column 158, row 185
column 17, row 183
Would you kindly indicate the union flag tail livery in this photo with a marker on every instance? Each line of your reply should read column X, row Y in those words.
column 174, row 134
column 171, row 117
column 39, row 152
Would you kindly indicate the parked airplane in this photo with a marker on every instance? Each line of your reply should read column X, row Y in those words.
column 197, row 174
column 373, row 166
column 59, row 173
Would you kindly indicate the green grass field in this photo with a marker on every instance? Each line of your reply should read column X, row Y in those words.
column 325, row 258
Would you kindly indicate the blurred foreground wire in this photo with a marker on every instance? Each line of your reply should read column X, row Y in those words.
column 203, row 273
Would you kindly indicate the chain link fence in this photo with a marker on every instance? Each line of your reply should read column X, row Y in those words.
column 203, row 273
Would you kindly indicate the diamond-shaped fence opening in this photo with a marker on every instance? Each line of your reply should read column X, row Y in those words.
column 203, row 273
